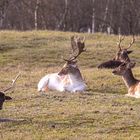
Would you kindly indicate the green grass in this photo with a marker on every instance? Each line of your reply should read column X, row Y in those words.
column 102, row 112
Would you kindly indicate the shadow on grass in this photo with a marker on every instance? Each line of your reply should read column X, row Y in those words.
column 11, row 120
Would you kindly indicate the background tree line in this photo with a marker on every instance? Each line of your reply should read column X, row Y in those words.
column 111, row 16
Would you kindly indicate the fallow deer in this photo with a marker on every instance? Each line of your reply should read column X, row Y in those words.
column 121, row 55
column 4, row 97
column 69, row 78
column 131, row 83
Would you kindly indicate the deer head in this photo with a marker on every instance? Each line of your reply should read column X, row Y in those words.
column 123, row 68
column 121, row 55
column 78, row 46
column 3, row 97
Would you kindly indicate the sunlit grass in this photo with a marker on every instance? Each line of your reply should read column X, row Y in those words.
column 101, row 112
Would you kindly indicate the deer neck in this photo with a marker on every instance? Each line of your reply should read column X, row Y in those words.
column 76, row 75
column 129, row 79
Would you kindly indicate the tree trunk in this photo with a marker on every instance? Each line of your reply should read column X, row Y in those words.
column 93, row 18
column 61, row 24
column 3, row 7
column 103, row 26
column 121, row 16
column 36, row 14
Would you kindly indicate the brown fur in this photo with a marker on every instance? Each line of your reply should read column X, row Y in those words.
column 120, row 57
column 132, row 89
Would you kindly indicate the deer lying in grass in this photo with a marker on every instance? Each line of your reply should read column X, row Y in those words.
column 132, row 84
column 3, row 97
column 69, row 78
column 121, row 55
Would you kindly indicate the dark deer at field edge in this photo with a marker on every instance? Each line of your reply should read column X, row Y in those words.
column 4, row 97
column 121, row 55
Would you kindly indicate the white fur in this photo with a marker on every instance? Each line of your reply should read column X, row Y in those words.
column 61, row 83
column 75, row 85
column 136, row 95
column 52, row 82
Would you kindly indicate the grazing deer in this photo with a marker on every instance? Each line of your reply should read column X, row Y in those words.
column 132, row 84
column 121, row 55
column 69, row 78
column 3, row 97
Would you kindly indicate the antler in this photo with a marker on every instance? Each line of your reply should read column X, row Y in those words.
column 131, row 43
column 81, row 47
column 78, row 45
column 13, row 83
column 120, row 40
column 73, row 44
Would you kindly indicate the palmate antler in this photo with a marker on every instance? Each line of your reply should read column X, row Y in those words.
column 13, row 83
column 78, row 46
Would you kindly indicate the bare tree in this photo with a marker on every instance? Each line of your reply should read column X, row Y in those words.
column 113, row 16
column 36, row 13
column 3, row 8
column 93, row 17
column 103, row 25
column 61, row 24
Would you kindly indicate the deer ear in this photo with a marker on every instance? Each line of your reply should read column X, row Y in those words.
column 128, row 52
column 111, row 64
column 131, row 65
column 8, row 98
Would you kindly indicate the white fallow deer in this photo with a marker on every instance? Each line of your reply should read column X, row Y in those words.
column 69, row 78
column 121, row 55
column 131, row 83
column 4, row 97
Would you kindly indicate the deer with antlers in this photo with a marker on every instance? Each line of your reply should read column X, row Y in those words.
column 121, row 55
column 131, row 83
column 69, row 78
column 4, row 97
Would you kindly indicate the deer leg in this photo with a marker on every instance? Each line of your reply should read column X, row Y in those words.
column 137, row 91
column 131, row 92
column 80, row 88
column 66, row 80
column 46, row 89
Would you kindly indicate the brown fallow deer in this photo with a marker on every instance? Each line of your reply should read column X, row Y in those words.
column 4, row 97
column 130, row 81
column 121, row 55
column 69, row 78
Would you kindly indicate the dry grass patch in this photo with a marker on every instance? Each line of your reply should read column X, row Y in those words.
column 102, row 112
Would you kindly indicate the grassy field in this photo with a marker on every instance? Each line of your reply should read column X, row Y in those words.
column 101, row 113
